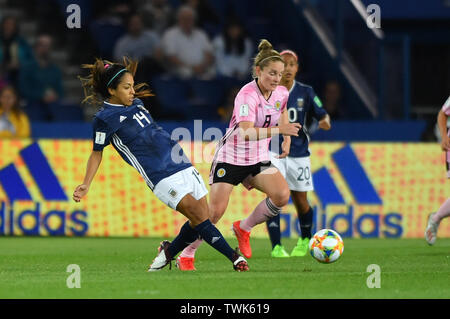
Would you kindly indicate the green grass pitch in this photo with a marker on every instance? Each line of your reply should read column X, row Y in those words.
column 116, row 268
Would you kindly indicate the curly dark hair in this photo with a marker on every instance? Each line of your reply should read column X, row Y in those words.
column 105, row 74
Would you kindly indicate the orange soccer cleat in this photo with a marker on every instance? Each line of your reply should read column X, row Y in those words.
column 243, row 238
column 185, row 263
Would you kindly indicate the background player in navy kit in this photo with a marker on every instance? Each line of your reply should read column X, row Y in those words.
column 296, row 167
column 124, row 122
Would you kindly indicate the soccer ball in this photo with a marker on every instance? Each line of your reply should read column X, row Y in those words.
column 326, row 246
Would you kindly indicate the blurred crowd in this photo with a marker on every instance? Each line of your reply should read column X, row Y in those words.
column 194, row 59
column 31, row 85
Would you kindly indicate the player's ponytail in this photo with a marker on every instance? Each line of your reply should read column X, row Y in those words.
column 265, row 55
column 104, row 74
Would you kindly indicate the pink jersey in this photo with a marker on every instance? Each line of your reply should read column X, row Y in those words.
column 446, row 107
column 251, row 106
column 446, row 110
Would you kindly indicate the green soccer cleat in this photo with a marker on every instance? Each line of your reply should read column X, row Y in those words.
column 279, row 252
column 301, row 249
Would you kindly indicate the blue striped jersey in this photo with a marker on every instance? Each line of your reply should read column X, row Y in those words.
column 139, row 140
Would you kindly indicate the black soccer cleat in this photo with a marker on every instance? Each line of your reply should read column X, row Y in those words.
column 239, row 262
column 163, row 258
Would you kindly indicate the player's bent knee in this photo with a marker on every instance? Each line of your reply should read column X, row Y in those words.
column 281, row 198
column 215, row 213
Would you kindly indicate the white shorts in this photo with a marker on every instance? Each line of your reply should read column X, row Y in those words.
column 296, row 171
column 172, row 189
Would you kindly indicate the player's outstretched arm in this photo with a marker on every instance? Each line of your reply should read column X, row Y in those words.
column 249, row 132
column 442, row 123
column 286, row 144
column 92, row 166
column 325, row 123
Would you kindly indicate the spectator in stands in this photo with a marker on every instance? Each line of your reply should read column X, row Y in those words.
column 187, row 48
column 332, row 100
column 206, row 17
column 137, row 43
column 14, row 122
column 14, row 50
column 41, row 82
column 157, row 15
column 140, row 45
column 233, row 51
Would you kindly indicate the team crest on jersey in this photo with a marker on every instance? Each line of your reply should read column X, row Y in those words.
column 172, row 192
column 278, row 105
column 300, row 103
column 221, row 172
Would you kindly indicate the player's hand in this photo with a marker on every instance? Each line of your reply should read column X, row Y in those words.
column 324, row 123
column 445, row 144
column 79, row 192
column 290, row 129
column 285, row 148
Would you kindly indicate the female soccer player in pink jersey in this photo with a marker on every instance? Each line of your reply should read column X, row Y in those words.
column 444, row 210
column 242, row 155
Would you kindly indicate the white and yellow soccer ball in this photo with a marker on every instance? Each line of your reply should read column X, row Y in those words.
column 326, row 246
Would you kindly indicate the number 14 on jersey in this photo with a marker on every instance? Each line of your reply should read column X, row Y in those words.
column 139, row 117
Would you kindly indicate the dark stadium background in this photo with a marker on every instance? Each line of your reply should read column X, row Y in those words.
column 404, row 75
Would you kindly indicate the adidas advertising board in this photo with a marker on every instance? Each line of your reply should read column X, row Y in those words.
column 371, row 190
column 13, row 221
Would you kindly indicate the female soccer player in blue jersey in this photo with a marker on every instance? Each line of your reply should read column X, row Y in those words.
column 296, row 167
column 124, row 122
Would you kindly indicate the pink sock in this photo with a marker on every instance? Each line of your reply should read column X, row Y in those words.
column 190, row 250
column 261, row 213
column 444, row 211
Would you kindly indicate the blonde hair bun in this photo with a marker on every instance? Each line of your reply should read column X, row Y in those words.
column 265, row 55
column 264, row 45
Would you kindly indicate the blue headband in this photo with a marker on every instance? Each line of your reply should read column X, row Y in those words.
column 115, row 77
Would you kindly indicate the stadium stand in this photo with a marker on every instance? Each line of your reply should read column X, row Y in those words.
column 391, row 87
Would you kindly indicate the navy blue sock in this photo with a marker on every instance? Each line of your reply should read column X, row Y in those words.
column 273, row 228
column 306, row 223
column 212, row 236
column 186, row 236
